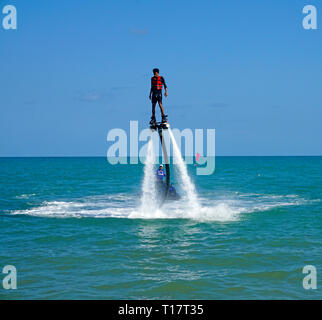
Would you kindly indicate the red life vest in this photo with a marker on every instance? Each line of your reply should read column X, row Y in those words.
column 157, row 83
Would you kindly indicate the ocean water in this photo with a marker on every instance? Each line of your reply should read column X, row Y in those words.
column 74, row 229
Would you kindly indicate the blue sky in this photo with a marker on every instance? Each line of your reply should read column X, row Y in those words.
column 76, row 69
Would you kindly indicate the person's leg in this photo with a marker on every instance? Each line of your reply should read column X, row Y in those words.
column 161, row 109
column 153, row 109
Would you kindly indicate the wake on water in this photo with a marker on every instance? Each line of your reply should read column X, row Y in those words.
column 189, row 206
column 126, row 206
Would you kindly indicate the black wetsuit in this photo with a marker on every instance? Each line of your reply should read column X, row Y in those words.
column 157, row 93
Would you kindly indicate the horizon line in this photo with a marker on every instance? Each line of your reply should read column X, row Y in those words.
column 65, row 156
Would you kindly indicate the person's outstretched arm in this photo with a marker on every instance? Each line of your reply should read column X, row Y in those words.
column 150, row 95
column 165, row 87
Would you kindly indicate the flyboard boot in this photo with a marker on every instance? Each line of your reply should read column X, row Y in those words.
column 164, row 123
column 153, row 123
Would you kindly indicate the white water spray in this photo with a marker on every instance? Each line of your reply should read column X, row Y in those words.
column 148, row 201
column 186, row 183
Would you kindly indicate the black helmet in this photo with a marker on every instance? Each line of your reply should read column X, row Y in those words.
column 156, row 70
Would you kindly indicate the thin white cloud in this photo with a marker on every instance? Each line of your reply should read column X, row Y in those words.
column 139, row 31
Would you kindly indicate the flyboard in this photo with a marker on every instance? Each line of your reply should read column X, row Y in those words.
column 160, row 126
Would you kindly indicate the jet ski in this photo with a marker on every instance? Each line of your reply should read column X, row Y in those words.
column 171, row 194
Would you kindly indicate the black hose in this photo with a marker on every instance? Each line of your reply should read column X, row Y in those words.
column 167, row 168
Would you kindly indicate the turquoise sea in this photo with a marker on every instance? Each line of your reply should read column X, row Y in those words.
column 72, row 227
